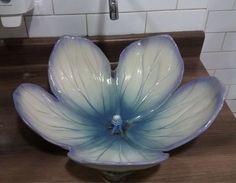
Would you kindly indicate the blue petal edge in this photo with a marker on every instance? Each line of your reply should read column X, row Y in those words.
column 219, row 105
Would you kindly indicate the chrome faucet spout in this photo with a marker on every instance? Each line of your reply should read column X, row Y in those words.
column 113, row 8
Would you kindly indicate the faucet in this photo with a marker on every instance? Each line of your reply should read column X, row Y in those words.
column 113, row 7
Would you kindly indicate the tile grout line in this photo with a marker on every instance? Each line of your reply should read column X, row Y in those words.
column 86, row 19
column 221, row 69
column 26, row 28
column 122, row 12
column 222, row 10
column 224, row 68
column 53, row 9
column 224, row 51
column 234, row 5
column 206, row 21
column 176, row 6
column 233, row 31
column 222, row 44
column 145, row 28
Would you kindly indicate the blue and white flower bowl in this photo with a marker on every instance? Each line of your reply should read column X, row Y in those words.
column 125, row 122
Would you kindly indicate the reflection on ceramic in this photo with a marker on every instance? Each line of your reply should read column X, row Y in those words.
column 121, row 123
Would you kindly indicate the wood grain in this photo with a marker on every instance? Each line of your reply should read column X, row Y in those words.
column 37, row 50
column 25, row 157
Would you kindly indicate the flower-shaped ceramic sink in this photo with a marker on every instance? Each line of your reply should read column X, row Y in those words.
column 124, row 122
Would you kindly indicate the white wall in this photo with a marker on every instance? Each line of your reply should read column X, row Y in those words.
column 219, row 50
column 90, row 17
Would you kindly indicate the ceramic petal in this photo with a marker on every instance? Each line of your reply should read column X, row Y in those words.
column 188, row 113
column 116, row 154
column 149, row 71
column 49, row 118
column 80, row 76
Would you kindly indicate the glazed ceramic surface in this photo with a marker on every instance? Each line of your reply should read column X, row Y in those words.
column 121, row 123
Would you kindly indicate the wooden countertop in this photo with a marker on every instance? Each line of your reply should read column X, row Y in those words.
column 26, row 157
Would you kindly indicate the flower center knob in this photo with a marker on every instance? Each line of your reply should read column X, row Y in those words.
column 117, row 125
